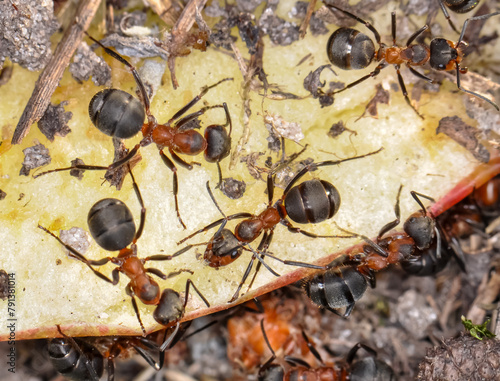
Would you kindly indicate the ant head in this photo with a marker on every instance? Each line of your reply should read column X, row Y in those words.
column 111, row 224
column 170, row 307
column 226, row 244
column 443, row 54
column 421, row 228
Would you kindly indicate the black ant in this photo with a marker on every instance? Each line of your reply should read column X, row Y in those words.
column 118, row 114
column 421, row 250
column 312, row 201
column 348, row 49
column 78, row 360
column 457, row 6
column 112, row 227
column 369, row 368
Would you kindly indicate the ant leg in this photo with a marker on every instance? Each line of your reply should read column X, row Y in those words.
column 194, row 115
column 405, row 93
column 146, row 356
column 366, row 23
column 182, row 162
column 115, row 165
column 294, row 229
column 169, row 341
column 273, row 354
column 393, row 224
column 472, row 92
column 445, row 12
column 156, row 272
column 312, row 166
column 141, row 202
column 352, row 353
column 189, row 283
column 162, row 257
column 245, row 276
column 419, row 75
column 374, row 73
column 415, row 197
column 113, row 353
column 263, row 246
column 374, row 245
column 173, row 168
column 76, row 255
column 216, row 223
column 142, row 89
column 475, row 18
column 130, row 292
column 416, row 34
column 83, row 356
column 204, row 90
column 393, row 28
column 311, row 347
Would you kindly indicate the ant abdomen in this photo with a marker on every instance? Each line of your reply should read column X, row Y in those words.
column 312, row 201
column 461, row 6
column 371, row 369
column 170, row 307
column 111, row 224
column 68, row 361
column 348, row 48
column 426, row 262
column 116, row 113
column 334, row 289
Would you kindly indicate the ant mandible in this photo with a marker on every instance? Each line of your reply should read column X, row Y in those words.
column 312, row 201
column 118, row 114
column 112, row 226
column 348, row 48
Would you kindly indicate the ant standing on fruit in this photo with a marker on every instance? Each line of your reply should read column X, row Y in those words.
column 112, row 226
column 421, row 250
column 348, row 48
column 312, row 201
column 118, row 114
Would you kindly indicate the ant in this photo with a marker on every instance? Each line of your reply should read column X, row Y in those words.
column 112, row 226
column 421, row 250
column 368, row 368
column 312, row 201
column 118, row 114
column 79, row 360
column 348, row 48
column 457, row 6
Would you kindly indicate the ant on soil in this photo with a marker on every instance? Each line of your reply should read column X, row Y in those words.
column 312, row 201
column 348, row 48
column 118, row 114
column 80, row 359
column 367, row 369
column 112, row 226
